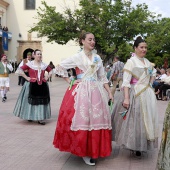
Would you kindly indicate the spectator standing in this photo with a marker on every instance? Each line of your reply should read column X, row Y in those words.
column 116, row 75
column 51, row 65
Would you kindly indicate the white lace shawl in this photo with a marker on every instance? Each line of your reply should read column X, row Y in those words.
column 91, row 100
column 31, row 65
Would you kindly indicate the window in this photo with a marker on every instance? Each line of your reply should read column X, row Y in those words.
column 29, row 4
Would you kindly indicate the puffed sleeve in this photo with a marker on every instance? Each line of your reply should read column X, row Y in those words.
column 20, row 70
column 154, row 72
column 101, row 72
column 21, row 64
column 127, row 74
column 66, row 64
column 9, row 67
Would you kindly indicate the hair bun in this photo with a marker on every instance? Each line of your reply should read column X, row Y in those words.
column 139, row 38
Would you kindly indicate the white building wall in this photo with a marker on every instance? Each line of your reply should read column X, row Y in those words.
column 3, row 16
column 20, row 20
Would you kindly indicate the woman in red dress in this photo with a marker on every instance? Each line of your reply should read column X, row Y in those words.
column 33, row 102
column 84, row 122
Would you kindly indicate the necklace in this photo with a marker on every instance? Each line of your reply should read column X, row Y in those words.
column 88, row 53
column 38, row 65
column 140, row 58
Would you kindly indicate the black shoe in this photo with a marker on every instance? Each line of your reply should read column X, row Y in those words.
column 30, row 121
column 138, row 153
column 88, row 160
column 41, row 122
column 5, row 97
column 3, row 100
column 92, row 161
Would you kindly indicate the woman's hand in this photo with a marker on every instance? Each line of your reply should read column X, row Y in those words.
column 126, row 103
column 46, row 78
column 77, row 81
column 111, row 97
column 28, row 78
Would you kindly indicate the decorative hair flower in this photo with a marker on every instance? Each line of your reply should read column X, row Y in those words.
column 132, row 54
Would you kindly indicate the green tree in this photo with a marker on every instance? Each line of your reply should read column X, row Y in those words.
column 113, row 23
column 158, row 41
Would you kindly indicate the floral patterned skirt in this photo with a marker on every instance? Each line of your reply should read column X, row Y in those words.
column 164, row 152
column 93, row 143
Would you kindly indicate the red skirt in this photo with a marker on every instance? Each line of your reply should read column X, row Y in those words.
column 94, row 143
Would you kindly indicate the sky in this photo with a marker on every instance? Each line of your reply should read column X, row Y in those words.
column 157, row 6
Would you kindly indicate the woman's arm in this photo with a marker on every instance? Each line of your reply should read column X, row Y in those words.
column 126, row 102
column 20, row 71
column 127, row 76
column 67, row 79
column 106, row 86
column 25, row 76
column 102, row 77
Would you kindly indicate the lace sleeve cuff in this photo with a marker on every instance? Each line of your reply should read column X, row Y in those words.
column 127, row 76
column 103, row 79
column 61, row 71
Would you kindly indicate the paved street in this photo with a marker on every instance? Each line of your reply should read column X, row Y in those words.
column 28, row 146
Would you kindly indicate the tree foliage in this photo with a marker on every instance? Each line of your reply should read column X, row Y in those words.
column 158, row 41
column 114, row 24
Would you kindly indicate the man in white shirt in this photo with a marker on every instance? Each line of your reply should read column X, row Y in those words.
column 5, row 69
column 159, row 78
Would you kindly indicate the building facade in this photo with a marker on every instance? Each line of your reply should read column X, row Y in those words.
column 19, row 17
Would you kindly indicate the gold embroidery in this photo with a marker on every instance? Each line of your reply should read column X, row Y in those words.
column 142, row 90
column 164, row 135
column 136, row 77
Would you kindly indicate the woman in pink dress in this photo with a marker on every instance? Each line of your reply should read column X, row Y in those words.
column 84, row 122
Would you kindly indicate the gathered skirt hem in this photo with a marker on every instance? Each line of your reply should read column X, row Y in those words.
column 93, row 143
column 26, row 111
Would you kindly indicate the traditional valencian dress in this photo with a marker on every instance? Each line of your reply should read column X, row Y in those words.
column 84, row 122
column 164, row 152
column 34, row 99
column 138, row 129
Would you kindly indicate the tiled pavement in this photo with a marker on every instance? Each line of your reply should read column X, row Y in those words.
column 28, row 146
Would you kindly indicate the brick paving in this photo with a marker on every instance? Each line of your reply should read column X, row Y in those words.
column 28, row 146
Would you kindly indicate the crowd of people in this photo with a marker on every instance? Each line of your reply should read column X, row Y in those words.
column 88, row 121
column 4, row 28
column 161, row 83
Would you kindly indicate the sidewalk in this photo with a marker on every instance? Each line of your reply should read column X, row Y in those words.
column 28, row 146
